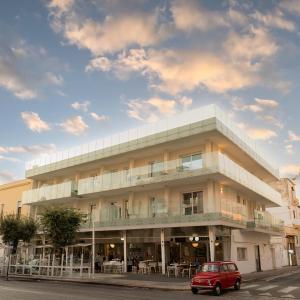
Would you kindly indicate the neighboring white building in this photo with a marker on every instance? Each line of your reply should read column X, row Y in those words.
column 290, row 214
column 190, row 188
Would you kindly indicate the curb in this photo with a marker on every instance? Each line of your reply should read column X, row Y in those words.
column 73, row 281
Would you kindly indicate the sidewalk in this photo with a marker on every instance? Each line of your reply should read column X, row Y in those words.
column 157, row 281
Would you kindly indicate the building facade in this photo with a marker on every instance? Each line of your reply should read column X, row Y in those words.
column 11, row 200
column 191, row 188
column 290, row 214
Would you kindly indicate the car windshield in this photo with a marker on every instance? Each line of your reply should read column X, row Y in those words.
column 210, row 268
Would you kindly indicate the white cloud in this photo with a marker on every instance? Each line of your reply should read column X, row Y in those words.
column 74, row 125
column 98, row 63
column 34, row 149
column 34, row 122
column 275, row 19
column 290, row 170
column 55, row 79
column 293, row 137
column 270, row 103
column 258, row 133
column 84, row 106
column 9, row 158
column 289, row 149
column 239, row 105
column 292, row 6
column 272, row 120
column 60, row 6
column 153, row 109
column 99, row 118
column 6, row 176
column 189, row 15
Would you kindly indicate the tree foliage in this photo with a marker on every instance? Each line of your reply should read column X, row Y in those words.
column 14, row 228
column 61, row 225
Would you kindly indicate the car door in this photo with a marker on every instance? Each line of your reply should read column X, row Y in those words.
column 224, row 276
column 232, row 274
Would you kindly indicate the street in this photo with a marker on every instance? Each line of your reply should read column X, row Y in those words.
column 276, row 288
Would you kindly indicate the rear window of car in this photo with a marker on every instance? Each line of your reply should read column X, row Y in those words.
column 232, row 267
column 210, row 268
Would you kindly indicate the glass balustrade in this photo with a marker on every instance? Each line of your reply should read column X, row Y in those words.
column 266, row 221
column 207, row 163
column 50, row 192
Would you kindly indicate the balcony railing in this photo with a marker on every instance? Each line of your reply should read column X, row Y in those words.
column 51, row 192
column 210, row 163
column 206, row 217
column 265, row 221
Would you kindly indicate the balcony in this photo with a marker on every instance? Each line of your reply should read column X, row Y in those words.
column 167, row 221
column 265, row 222
column 51, row 192
column 175, row 170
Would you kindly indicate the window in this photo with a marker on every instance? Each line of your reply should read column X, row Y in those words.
column 241, row 254
column 115, row 211
column 192, row 203
column 155, row 168
column 126, row 209
column 224, row 268
column 210, row 268
column 232, row 267
column 238, row 199
column 294, row 213
column 192, row 161
column 157, row 207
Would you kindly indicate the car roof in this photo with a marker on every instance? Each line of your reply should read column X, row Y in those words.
column 219, row 262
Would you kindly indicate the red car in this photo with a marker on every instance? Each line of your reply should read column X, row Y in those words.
column 217, row 276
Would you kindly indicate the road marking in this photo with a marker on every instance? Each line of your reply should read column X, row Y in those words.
column 266, row 288
column 249, row 286
column 288, row 289
column 265, row 294
column 243, row 292
column 287, row 296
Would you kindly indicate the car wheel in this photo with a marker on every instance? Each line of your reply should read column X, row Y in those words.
column 194, row 290
column 217, row 289
column 237, row 285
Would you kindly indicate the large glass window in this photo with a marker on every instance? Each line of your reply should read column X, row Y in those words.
column 157, row 207
column 241, row 254
column 192, row 161
column 192, row 203
column 115, row 211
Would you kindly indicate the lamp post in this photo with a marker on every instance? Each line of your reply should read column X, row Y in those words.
column 92, row 206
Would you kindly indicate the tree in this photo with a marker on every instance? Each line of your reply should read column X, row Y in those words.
column 61, row 225
column 14, row 228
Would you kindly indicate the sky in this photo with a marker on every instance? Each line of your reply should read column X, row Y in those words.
column 72, row 71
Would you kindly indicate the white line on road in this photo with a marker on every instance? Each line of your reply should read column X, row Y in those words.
column 265, row 294
column 288, row 289
column 250, row 286
column 266, row 288
column 287, row 296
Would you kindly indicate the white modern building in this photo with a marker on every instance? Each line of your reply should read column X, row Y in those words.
column 290, row 214
column 190, row 188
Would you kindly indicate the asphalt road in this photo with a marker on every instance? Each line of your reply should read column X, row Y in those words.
column 285, row 287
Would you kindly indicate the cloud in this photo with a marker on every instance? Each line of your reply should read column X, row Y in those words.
column 289, row 149
column 189, row 15
column 84, row 106
column 290, row 170
column 259, row 106
column 267, row 102
column 34, row 122
column 99, row 118
column 115, row 32
column 272, row 120
column 74, row 125
column 292, row 6
column 55, row 79
column 258, row 133
column 274, row 19
column 60, row 6
column 34, row 149
column 10, row 159
column 6, row 176
column 293, row 137
column 153, row 109
column 98, row 63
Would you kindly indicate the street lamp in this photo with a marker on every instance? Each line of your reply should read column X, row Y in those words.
column 92, row 206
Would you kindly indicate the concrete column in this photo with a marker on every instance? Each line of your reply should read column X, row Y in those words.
column 212, row 239
column 166, row 159
column 209, row 201
column 125, row 250
column 130, row 203
column 163, row 251
column 77, row 177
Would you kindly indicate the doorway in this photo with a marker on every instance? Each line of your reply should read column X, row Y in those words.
column 257, row 258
